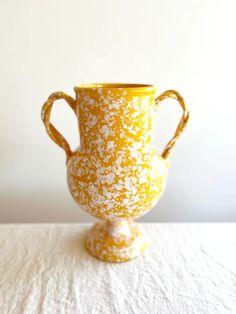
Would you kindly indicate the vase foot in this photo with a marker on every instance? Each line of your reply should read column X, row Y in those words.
column 115, row 241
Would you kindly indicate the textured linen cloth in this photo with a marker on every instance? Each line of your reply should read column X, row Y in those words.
column 188, row 268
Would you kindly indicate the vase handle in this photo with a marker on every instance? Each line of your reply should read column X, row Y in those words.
column 51, row 130
column 183, row 121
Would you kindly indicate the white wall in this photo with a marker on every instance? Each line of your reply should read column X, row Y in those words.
column 50, row 45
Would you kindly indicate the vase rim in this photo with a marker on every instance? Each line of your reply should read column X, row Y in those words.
column 116, row 86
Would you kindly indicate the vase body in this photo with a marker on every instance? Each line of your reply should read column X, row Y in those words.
column 116, row 174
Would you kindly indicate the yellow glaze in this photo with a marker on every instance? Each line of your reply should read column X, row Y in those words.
column 116, row 174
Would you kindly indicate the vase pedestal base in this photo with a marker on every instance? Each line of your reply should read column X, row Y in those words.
column 115, row 241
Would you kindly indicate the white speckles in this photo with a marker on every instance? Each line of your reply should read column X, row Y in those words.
column 130, row 129
column 119, row 170
column 109, row 205
column 98, row 141
column 137, row 145
column 106, row 159
column 134, row 153
column 145, row 101
column 135, row 102
column 91, row 101
column 107, row 117
column 92, row 120
column 106, row 193
column 125, row 202
column 128, row 184
column 118, row 229
column 78, row 172
column 99, row 90
column 105, row 101
column 105, row 131
column 110, row 146
column 97, row 199
column 119, row 160
column 135, row 114
column 92, row 189
column 107, row 178
column 142, row 178
column 114, row 105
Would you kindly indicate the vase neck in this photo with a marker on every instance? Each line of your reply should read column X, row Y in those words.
column 109, row 125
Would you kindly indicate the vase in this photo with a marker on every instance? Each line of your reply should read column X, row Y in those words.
column 116, row 174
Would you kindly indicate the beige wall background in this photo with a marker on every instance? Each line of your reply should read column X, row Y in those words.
column 53, row 45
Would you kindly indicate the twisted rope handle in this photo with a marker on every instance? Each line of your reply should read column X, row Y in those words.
column 183, row 121
column 51, row 130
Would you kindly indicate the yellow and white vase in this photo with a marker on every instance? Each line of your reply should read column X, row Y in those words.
column 116, row 174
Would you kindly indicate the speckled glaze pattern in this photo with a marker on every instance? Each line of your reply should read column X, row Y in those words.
column 116, row 240
column 116, row 174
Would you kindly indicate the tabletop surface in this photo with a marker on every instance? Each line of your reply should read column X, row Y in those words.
column 188, row 268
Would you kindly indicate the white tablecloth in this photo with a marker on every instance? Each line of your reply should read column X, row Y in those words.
column 188, row 268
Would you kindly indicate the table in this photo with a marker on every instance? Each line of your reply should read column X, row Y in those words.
column 188, row 268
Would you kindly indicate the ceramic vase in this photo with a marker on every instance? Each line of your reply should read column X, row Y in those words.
column 116, row 174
